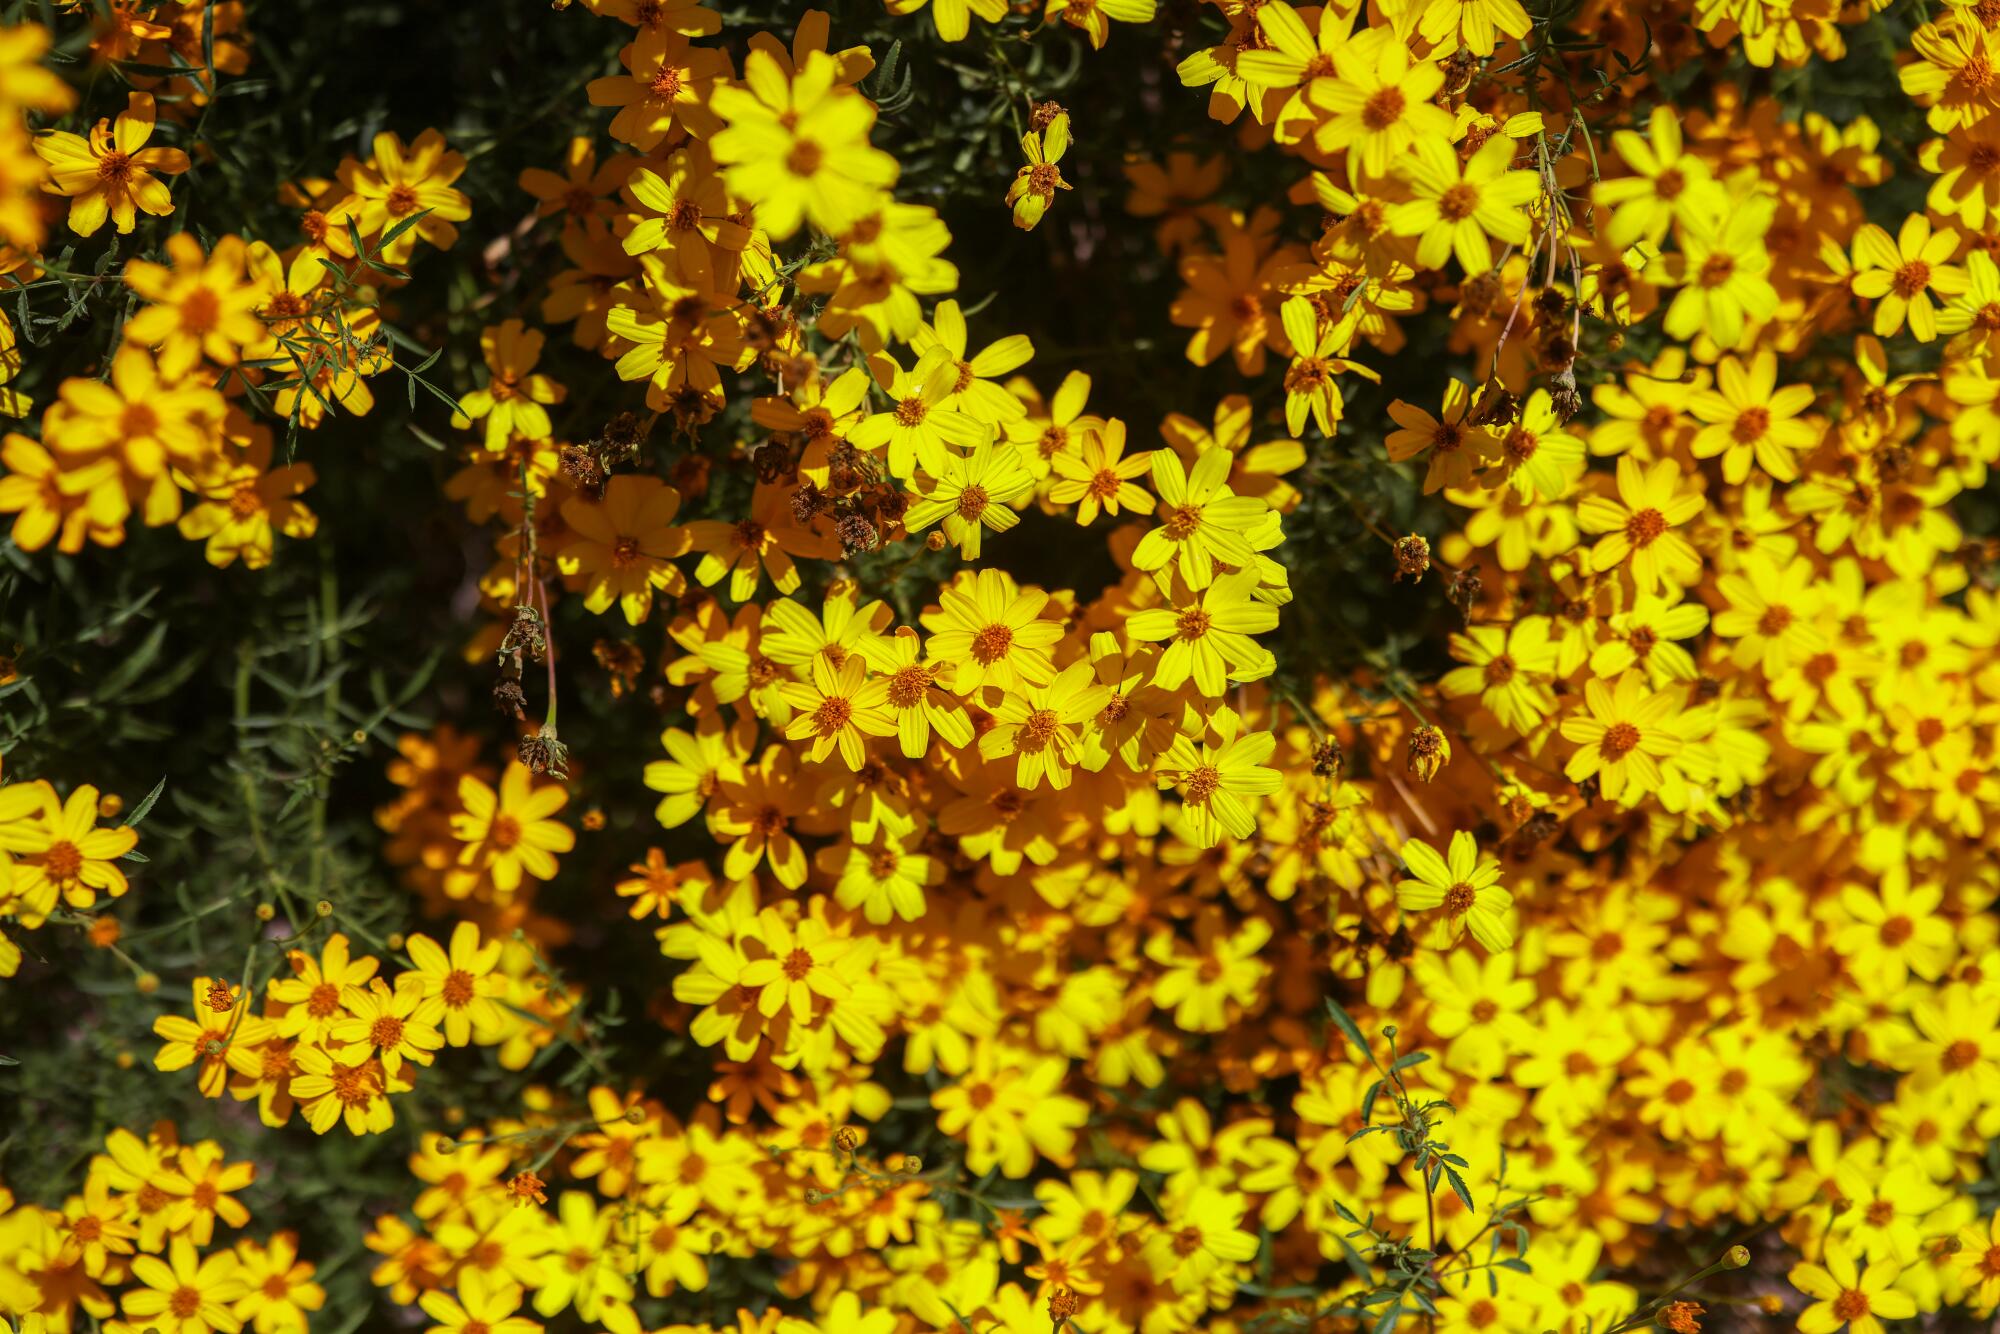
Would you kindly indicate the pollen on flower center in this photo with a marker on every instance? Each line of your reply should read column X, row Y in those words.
column 199, row 311
column 402, row 200
column 62, row 861
column 1716, row 270
column 1043, row 179
column 505, row 833
column 1751, row 424
column 1383, row 109
column 1851, row 1305
column 139, row 419
column 907, row 687
column 1619, row 738
column 1202, row 783
column 1192, row 623
column 1182, row 521
column 1500, row 671
column 832, row 714
column 1461, row 201
column 352, row 1085
column 686, row 215
column 1960, row 1055
column 1039, row 727
column 797, row 964
column 1458, row 900
column 991, row 644
column 623, row 552
column 458, row 988
column 114, row 168
column 804, row 159
column 1774, row 621
column 1912, row 278
column 972, row 502
column 1105, row 484
column 910, row 411
column 1645, row 526
column 323, row 1001
column 666, row 84
column 185, row 1303
column 386, row 1032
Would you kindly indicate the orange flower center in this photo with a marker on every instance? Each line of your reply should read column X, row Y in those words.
column 1751, row 424
column 458, row 988
column 991, row 644
column 1383, row 109
column 402, row 201
column 1912, row 278
column 797, row 964
column 506, row 832
column 114, row 168
column 386, row 1032
column 1458, row 203
column 972, row 502
column 62, row 862
column 1644, row 527
column 1619, row 739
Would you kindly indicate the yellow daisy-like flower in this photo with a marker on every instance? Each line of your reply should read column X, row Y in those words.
column 797, row 147
column 1638, row 526
column 1860, row 1299
column 200, row 306
column 623, row 545
column 186, row 1293
column 509, row 835
column 512, row 403
column 839, row 709
column 1208, row 636
column 971, row 494
column 60, row 853
column 389, row 1026
column 1900, row 275
column 1749, row 417
column 1098, row 474
column 1215, row 780
column 1622, row 737
column 112, row 173
column 1035, row 185
column 1202, row 522
column 1039, row 726
column 1462, row 883
column 1462, row 208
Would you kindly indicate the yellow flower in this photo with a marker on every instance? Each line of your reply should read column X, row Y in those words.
column 202, row 305
column 1310, row 386
column 991, row 633
column 1010, row 1108
column 1208, row 636
column 398, row 182
column 1900, row 275
column 1455, row 208
column 882, row 881
column 509, row 834
column 221, row 1017
column 1721, row 269
column 389, row 1026
column 1038, row 725
column 482, row 1305
column 1202, row 522
column 919, row 428
column 919, row 704
column 281, row 1288
column 112, row 173
column 1094, row 16
column 1455, row 445
column 1098, row 473
column 1215, row 781
column 796, row 146
column 1749, row 417
column 1035, row 185
column 332, row 1091
column 1381, row 103
column 1667, row 184
column 953, row 17
column 1622, row 738
column 1476, row 25
column 971, row 494
column 623, row 545
column 1859, row 1299
column 1464, row 884
column 1639, row 525
column 186, row 1293
column 512, row 401
column 202, row 1187
column 837, row 708
column 60, row 854
column 764, row 543
column 244, row 501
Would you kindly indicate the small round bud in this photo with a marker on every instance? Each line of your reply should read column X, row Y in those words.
column 847, row 1139
column 109, row 805
column 358, row 737
column 213, row 1047
column 444, row 1146
column 635, row 1116
column 910, row 1165
column 324, row 908
column 147, row 983
column 265, row 912
column 1736, row 1257
column 123, row 1060
column 935, row 540
column 395, row 940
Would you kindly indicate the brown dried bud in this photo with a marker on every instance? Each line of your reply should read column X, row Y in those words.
column 509, row 700
column 1063, row 1304
column 583, row 470
column 1428, row 753
column 544, row 753
column 1043, row 116
column 1462, row 590
column 621, row 438
column 856, row 534
column 1497, row 407
column 1327, row 759
column 1563, row 396
column 623, row 659
column 1551, row 302
column 808, row 503
column 847, row 1139
column 935, row 539
column 524, row 635
column 1458, row 71
column 1413, row 557
column 218, row 997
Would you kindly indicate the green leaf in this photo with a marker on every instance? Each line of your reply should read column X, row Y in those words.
column 1346, row 1024
column 1458, row 1185
column 145, row 807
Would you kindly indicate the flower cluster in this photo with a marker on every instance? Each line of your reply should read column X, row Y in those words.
column 143, row 1246
column 1051, row 901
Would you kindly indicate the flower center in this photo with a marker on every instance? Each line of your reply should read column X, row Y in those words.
column 114, row 168
column 505, row 833
column 1458, row 203
column 1851, row 1305
column 797, row 964
column 1202, row 784
column 804, row 159
column 1383, row 109
column 991, row 644
column 910, row 412
column 402, row 200
column 458, row 988
column 1717, row 270
column 1192, row 623
column 185, row 1303
column 1644, row 527
column 907, row 687
column 386, row 1032
column 1912, row 278
column 972, row 502
column 1751, row 424
column 1619, row 738
column 832, row 715
column 1182, row 521
column 623, row 552
column 62, row 861
column 1458, row 900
